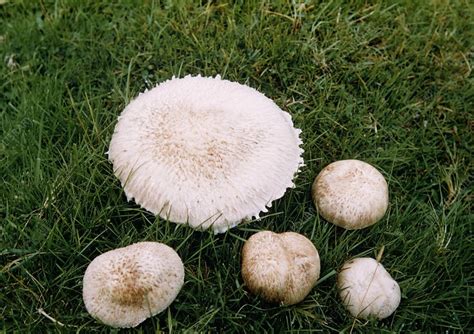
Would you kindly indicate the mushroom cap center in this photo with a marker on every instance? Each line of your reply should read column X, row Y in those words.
column 200, row 140
column 127, row 286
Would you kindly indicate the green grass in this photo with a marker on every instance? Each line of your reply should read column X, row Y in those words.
column 389, row 83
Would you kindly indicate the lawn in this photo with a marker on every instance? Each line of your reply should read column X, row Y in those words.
column 389, row 83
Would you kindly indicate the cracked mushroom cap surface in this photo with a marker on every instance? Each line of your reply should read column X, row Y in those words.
column 281, row 268
column 367, row 289
column 125, row 286
column 205, row 152
column 351, row 194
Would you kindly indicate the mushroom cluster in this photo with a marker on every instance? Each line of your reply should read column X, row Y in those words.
column 353, row 194
column 211, row 153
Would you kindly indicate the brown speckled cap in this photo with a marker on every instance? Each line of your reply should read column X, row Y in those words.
column 281, row 268
column 351, row 194
column 125, row 286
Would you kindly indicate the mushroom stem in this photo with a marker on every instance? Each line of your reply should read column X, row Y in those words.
column 43, row 313
column 380, row 253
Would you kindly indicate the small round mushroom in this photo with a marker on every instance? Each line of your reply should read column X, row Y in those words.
column 367, row 289
column 125, row 286
column 204, row 151
column 281, row 268
column 351, row 194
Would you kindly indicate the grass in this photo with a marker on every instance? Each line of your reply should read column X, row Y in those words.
column 387, row 83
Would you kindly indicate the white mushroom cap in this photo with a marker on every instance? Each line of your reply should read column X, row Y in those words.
column 125, row 286
column 280, row 268
column 205, row 151
column 351, row 194
column 367, row 289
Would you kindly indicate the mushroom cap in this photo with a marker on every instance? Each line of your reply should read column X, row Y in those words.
column 125, row 286
column 205, row 152
column 280, row 268
column 367, row 289
column 351, row 194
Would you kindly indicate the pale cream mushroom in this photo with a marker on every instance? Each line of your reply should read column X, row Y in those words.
column 205, row 152
column 281, row 268
column 125, row 286
column 367, row 289
column 351, row 194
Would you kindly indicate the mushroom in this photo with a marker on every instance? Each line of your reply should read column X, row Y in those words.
column 205, row 152
column 281, row 268
column 367, row 289
column 125, row 286
column 351, row 194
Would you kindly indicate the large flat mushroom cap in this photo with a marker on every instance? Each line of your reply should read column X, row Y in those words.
column 205, row 152
column 125, row 286
column 351, row 194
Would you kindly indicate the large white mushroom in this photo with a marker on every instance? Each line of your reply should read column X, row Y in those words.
column 281, row 268
column 367, row 289
column 351, row 194
column 205, row 152
column 125, row 286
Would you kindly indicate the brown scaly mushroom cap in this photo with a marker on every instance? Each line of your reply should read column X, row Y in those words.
column 351, row 194
column 281, row 268
column 125, row 286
